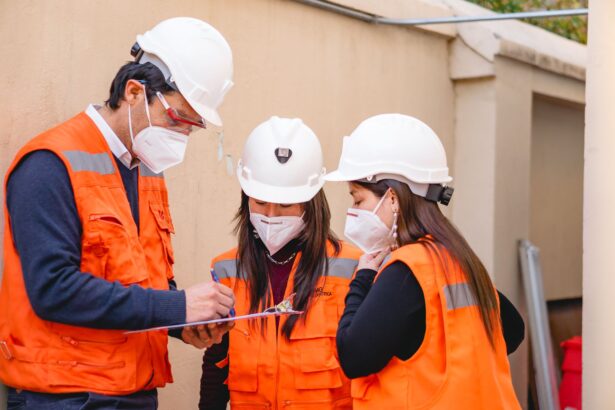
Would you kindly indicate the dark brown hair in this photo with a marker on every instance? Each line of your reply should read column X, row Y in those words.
column 252, row 264
column 418, row 218
column 147, row 74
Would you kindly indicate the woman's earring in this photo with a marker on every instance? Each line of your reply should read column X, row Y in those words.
column 394, row 229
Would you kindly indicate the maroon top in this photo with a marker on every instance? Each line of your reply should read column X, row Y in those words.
column 279, row 274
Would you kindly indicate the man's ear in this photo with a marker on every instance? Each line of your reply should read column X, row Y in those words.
column 133, row 92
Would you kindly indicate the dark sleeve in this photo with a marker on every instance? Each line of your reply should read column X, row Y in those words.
column 214, row 392
column 380, row 321
column 47, row 236
column 512, row 324
column 175, row 333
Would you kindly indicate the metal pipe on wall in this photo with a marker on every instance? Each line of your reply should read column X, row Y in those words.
column 371, row 18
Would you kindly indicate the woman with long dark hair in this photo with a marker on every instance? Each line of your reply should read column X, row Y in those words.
column 423, row 325
column 285, row 247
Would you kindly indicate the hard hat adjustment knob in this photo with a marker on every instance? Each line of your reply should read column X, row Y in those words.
column 440, row 193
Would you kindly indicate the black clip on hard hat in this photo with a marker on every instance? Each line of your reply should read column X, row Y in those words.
column 136, row 51
column 440, row 193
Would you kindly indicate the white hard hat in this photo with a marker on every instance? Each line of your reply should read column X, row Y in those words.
column 393, row 146
column 282, row 162
column 195, row 58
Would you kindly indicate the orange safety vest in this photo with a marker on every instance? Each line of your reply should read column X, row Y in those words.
column 456, row 367
column 51, row 357
column 266, row 371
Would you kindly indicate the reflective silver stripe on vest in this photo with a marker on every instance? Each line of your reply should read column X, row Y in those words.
column 338, row 267
column 84, row 161
column 146, row 172
column 226, row 269
column 342, row 267
column 458, row 296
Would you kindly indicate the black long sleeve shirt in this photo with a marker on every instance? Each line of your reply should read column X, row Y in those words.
column 369, row 333
column 386, row 319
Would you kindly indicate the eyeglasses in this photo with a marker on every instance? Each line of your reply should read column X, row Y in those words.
column 175, row 116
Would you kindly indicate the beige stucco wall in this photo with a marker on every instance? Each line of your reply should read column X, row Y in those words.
column 290, row 60
column 294, row 60
column 598, row 218
column 493, row 154
column 556, row 219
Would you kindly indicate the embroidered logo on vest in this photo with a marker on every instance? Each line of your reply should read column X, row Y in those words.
column 320, row 291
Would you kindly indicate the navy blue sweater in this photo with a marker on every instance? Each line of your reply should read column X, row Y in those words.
column 47, row 235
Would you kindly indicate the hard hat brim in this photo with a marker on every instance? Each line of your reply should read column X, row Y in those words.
column 209, row 115
column 337, row 176
column 279, row 195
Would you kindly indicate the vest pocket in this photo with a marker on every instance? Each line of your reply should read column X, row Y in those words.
column 339, row 404
column 318, row 366
column 97, row 376
column 243, row 358
column 92, row 359
column 313, row 347
column 165, row 227
column 106, row 250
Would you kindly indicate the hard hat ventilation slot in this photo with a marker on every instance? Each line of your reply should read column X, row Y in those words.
column 283, row 155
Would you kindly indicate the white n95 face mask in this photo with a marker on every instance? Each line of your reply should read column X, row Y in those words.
column 277, row 231
column 157, row 147
column 367, row 231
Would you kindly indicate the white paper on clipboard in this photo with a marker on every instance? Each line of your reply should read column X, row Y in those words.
column 221, row 320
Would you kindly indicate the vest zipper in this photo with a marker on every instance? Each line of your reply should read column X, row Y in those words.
column 291, row 280
column 277, row 363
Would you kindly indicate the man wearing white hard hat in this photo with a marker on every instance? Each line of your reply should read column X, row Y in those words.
column 87, row 243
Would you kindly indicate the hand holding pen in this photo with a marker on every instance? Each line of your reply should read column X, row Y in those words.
column 216, row 279
column 207, row 301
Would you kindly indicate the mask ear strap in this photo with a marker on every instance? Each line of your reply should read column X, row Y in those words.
column 147, row 106
column 381, row 201
column 130, row 124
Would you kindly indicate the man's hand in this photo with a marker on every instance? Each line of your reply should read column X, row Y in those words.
column 204, row 336
column 208, row 300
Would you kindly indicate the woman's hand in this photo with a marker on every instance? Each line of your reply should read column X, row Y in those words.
column 372, row 260
column 204, row 336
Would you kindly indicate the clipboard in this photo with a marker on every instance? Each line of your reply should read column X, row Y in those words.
column 266, row 313
column 285, row 307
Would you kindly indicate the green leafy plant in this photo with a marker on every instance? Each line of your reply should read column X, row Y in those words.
column 572, row 27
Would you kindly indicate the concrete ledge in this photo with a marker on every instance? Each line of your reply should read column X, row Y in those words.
column 406, row 9
column 514, row 39
column 520, row 41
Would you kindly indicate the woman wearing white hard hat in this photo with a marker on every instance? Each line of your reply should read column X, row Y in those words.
column 285, row 246
column 426, row 328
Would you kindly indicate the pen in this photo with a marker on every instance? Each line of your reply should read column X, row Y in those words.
column 215, row 277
